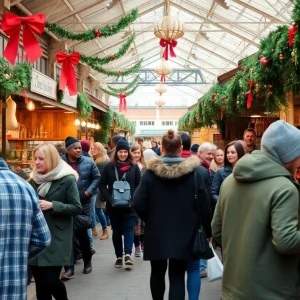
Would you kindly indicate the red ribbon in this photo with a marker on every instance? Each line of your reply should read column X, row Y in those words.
column 292, row 32
column 250, row 97
column 11, row 25
column 168, row 45
column 163, row 78
column 25, row 96
column 68, row 76
column 123, row 103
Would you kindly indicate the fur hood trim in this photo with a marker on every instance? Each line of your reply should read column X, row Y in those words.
column 163, row 170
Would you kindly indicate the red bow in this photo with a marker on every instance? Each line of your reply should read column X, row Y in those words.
column 250, row 97
column 163, row 78
column 168, row 44
column 123, row 103
column 68, row 76
column 11, row 25
column 292, row 32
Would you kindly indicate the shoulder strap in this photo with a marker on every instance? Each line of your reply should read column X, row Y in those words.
column 117, row 176
column 196, row 198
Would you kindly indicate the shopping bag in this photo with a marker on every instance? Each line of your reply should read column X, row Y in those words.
column 214, row 267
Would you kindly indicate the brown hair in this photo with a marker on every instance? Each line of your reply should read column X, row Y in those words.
column 115, row 158
column 171, row 142
column 239, row 149
column 135, row 147
column 101, row 156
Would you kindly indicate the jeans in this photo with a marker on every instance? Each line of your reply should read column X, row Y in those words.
column 90, row 235
column 176, row 276
column 48, row 283
column 101, row 217
column 203, row 265
column 122, row 225
column 93, row 210
column 193, row 279
column 107, row 219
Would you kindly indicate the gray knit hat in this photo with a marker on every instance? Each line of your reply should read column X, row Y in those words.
column 71, row 142
column 282, row 140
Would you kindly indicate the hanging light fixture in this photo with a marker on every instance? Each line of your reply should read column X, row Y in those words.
column 30, row 105
column 93, row 125
column 161, row 88
column 77, row 122
column 83, row 123
column 163, row 69
column 160, row 102
column 169, row 29
column 97, row 127
column 89, row 124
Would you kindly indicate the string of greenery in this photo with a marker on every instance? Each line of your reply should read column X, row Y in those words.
column 84, row 106
column 95, row 60
column 117, row 94
column 95, row 32
column 105, row 122
column 13, row 80
column 126, row 72
column 126, row 88
column 121, row 122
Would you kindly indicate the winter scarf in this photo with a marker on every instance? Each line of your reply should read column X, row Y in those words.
column 45, row 180
column 123, row 166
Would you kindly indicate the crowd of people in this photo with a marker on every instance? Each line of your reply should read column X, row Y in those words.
column 245, row 199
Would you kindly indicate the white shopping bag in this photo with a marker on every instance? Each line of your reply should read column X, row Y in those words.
column 214, row 267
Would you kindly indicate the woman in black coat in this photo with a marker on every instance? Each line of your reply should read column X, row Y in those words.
column 122, row 219
column 165, row 200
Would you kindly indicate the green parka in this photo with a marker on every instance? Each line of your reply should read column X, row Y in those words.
column 66, row 204
column 257, row 222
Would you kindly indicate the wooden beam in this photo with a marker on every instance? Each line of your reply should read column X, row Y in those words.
column 4, row 5
column 198, row 16
column 258, row 11
column 76, row 11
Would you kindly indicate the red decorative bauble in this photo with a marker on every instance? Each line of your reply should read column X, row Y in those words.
column 264, row 61
column 119, row 73
column 222, row 109
column 280, row 56
column 293, row 61
column 269, row 94
column 214, row 94
column 112, row 57
column 270, row 86
column 99, row 33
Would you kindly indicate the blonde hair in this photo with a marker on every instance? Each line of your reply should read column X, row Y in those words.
column 135, row 147
column 101, row 156
column 51, row 154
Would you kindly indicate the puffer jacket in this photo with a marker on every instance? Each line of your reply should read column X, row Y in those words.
column 88, row 181
column 219, row 177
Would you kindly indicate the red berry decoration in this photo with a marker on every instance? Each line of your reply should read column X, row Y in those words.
column 214, row 94
column 264, row 61
column 112, row 57
column 270, row 86
column 119, row 73
column 280, row 56
column 293, row 61
column 269, row 94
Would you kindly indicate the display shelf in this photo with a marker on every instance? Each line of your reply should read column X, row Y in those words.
column 39, row 139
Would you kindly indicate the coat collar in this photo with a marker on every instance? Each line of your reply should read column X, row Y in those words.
column 165, row 170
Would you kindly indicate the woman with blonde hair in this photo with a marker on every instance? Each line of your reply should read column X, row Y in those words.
column 218, row 160
column 55, row 183
column 100, row 157
column 137, row 155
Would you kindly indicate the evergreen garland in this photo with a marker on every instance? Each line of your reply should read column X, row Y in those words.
column 84, row 106
column 128, row 87
column 121, row 122
column 94, row 61
column 127, row 72
column 95, row 32
column 13, row 80
column 117, row 94
column 105, row 121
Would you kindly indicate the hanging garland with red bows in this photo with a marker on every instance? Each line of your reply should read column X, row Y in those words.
column 95, row 60
column 126, row 88
column 117, row 95
column 11, row 25
column 95, row 32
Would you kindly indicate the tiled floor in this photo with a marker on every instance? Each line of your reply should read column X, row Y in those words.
column 108, row 283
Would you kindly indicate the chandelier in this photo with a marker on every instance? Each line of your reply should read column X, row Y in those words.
column 160, row 102
column 161, row 88
column 163, row 69
column 169, row 29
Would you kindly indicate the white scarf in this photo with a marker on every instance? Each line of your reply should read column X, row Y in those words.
column 45, row 180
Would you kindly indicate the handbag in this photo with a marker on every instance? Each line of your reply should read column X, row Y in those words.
column 214, row 267
column 121, row 195
column 201, row 247
column 82, row 222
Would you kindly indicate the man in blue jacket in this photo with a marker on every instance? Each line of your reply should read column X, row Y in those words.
column 87, row 185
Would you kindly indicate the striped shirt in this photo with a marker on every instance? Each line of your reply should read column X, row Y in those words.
column 23, row 233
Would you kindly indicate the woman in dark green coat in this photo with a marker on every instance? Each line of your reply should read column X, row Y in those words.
column 55, row 183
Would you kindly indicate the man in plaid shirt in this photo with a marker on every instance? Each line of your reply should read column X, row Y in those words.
column 23, row 233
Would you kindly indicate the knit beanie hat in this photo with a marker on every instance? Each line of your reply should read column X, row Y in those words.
column 282, row 140
column 194, row 148
column 122, row 145
column 85, row 145
column 71, row 142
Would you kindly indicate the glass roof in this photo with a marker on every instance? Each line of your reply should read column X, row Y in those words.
column 218, row 33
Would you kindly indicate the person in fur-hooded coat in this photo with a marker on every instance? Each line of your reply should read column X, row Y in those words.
column 165, row 199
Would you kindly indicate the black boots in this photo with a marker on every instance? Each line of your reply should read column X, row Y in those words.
column 87, row 267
